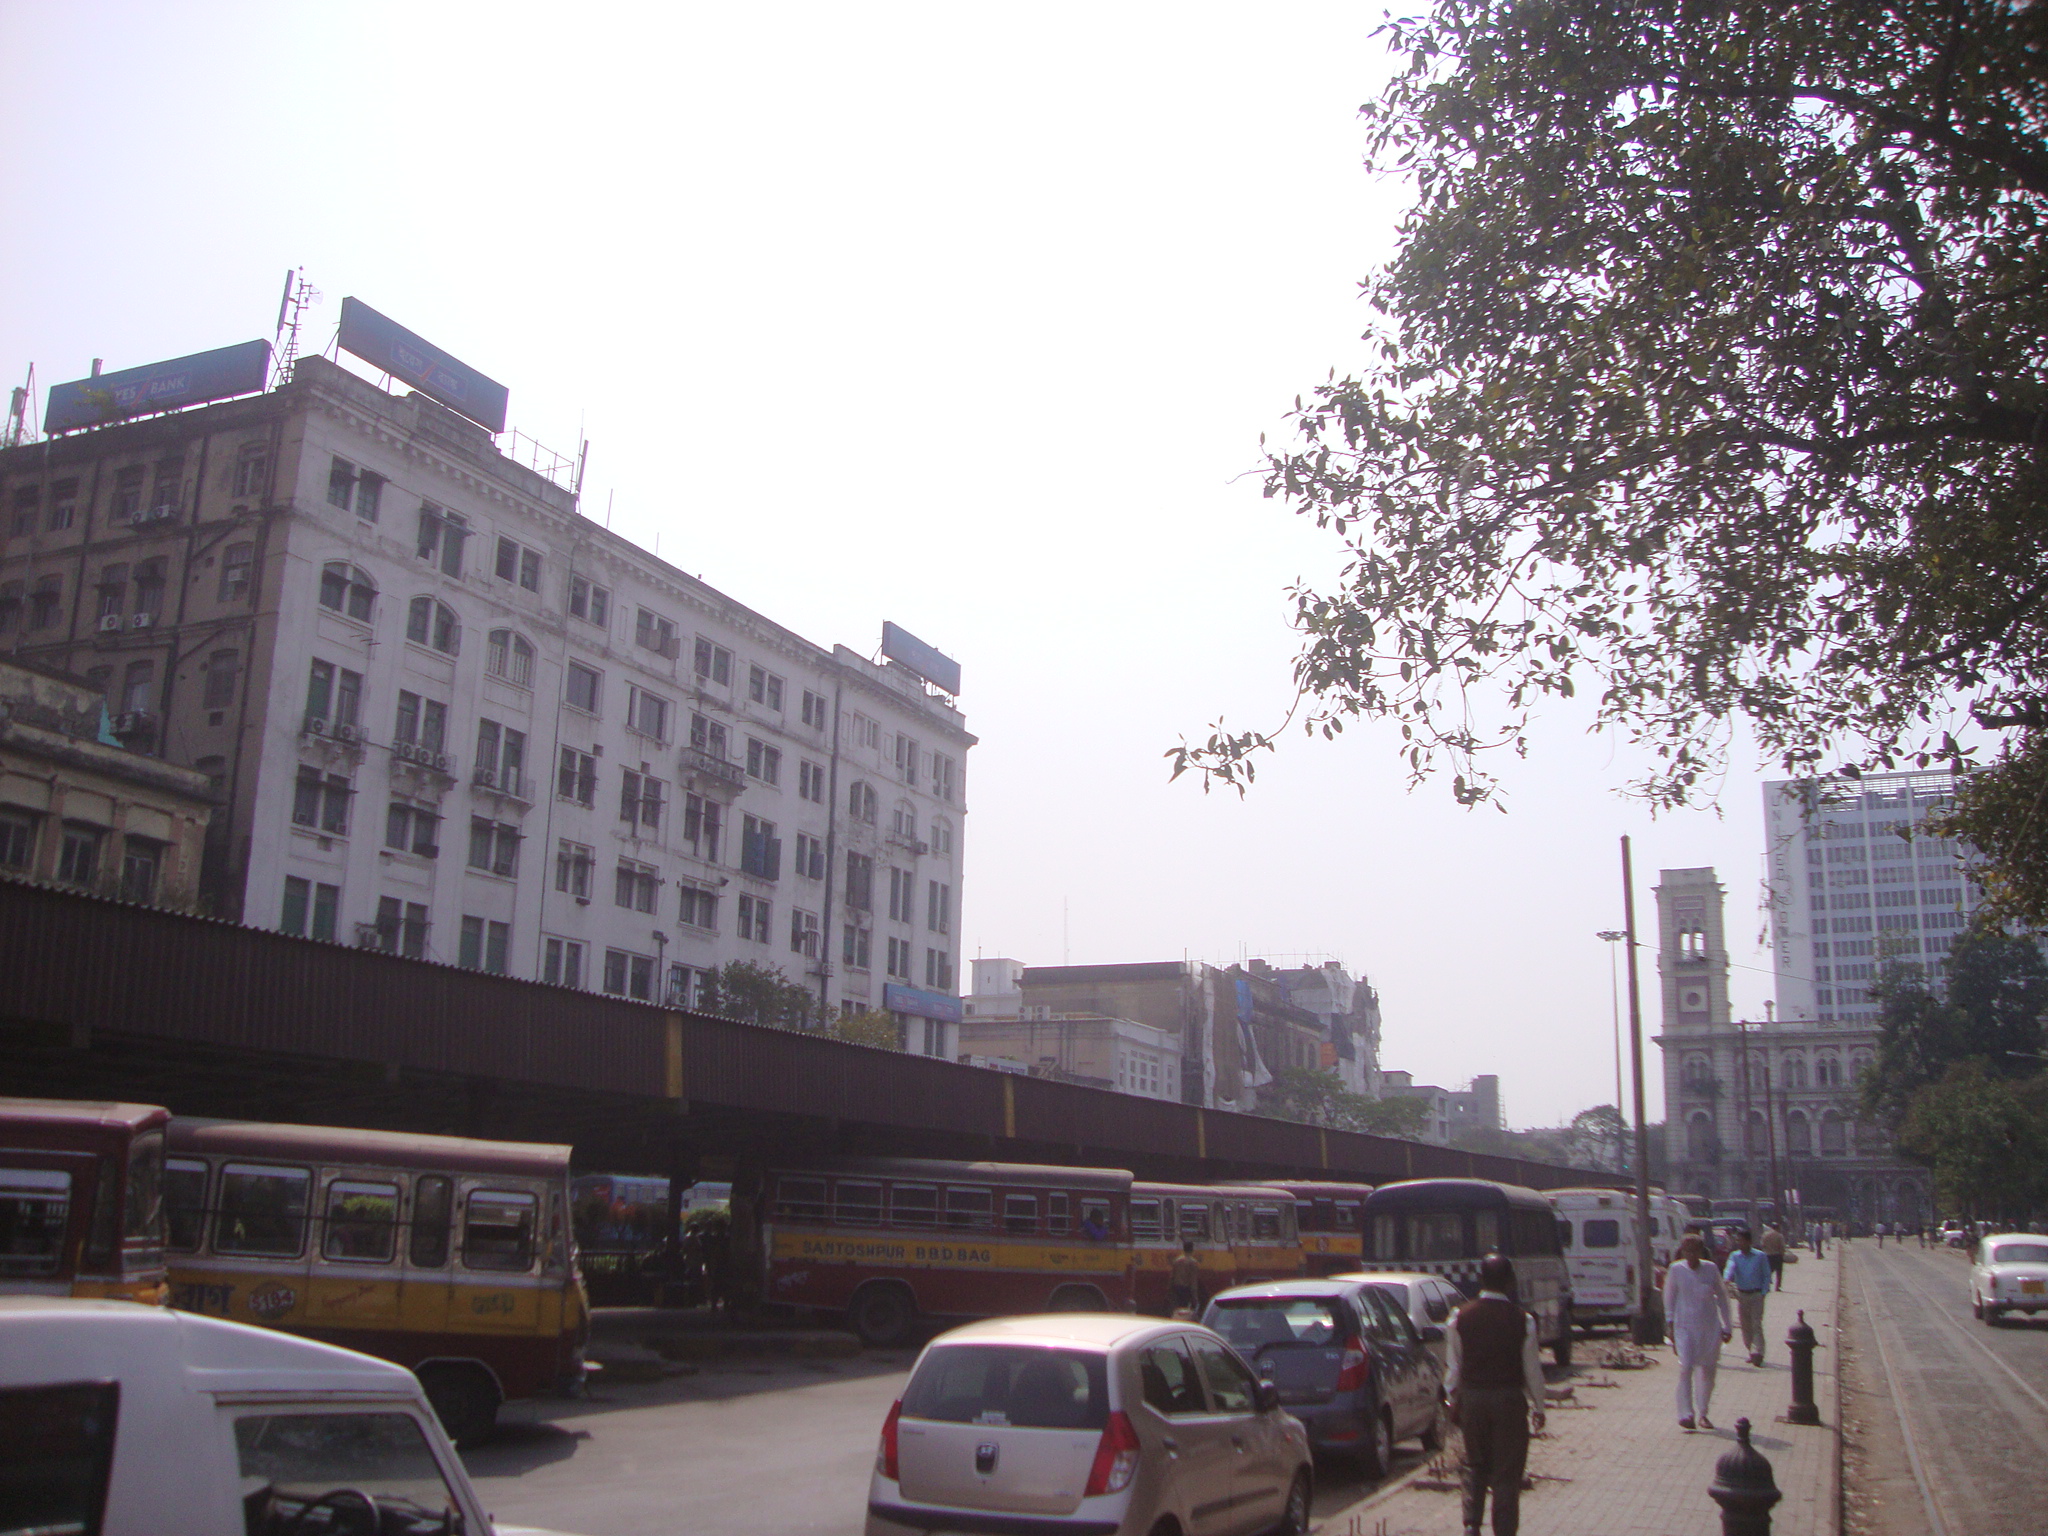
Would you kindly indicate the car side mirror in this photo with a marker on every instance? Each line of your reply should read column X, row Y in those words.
column 1266, row 1397
column 1430, row 1333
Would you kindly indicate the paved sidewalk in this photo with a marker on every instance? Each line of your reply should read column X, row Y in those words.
column 1614, row 1462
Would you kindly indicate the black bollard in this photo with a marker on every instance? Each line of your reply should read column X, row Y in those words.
column 1802, row 1344
column 1744, row 1488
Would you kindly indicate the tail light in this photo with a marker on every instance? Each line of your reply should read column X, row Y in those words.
column 1116, row 1457
column 885, row 1454
column 1351, row 1369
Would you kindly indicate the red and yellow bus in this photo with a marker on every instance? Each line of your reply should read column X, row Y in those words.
column 1331, row 1220
column 887, row 1240
column 81, row 1199
column 1243, row 1234
column 449, row 1256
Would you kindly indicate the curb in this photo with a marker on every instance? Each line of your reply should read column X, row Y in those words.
column 1378, row 1496
column 1841, row 1500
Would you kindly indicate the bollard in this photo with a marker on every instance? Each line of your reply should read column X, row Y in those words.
column 1744, row 1488
column 1802, row 1344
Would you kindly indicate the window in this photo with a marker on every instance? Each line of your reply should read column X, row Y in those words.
column 938, row 970
column 429, row 622
column 810, row 857
column 518, row 563
column 45, row 602
column 764, row 687
column 899, row 959
column 914, row 1205
column 27, row 508
column 306, row 899
column 347, row 589
column 938, row 910
column 1833, row 1139
column 971, row 1210
column 636, row 887
column 803, row 932
column 138, row 687
column 421, row 723
column 10, row 605
column 573, row 863
column 755, row 917
column 646, row 713
column 493, row 847
column 584, row 687
column 860, row 883
column 484, row 945
column 763, row 762
column 149, row 587
column 562, row 963
column 127, row 492
column 590, row 602
column 141, row 859
column 341, row 484
column 860, row 803
column 402, row 927
column 760, row 849
column 902, row 888
column 501, row 757
column 498, row 1230
column 63, row 505
column 509, row 656
column 654, row 633
column 113, row 590
column 441, row 538
column 810, row 780
column 628, row 975
column 18, row 838
column 703, row 820
column 1827, row 1072
column 184, row 1203
column 942, row 838
column 855, row 951
column 252, row 474
column 411, row 829
column 222, row 668
column 903, row 822
column 906, row 760
column 320, row 800
column 799, row 1199
column 433, row 1213
column 167, row 488
column 708, row 736
column 640, row 801
column 943, row 773
column 262, row 1210
column 362, row 1222
column 236, row 563
column 1795, row 1071
column 814, row 710
column 697, row 908
column 713, row 662
column 576, row 777
column 1798, row 1135
column 863, row 732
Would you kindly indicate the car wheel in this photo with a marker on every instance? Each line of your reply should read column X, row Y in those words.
column 465, row 1400
column 1993, row 1318
column 882, row 1315
column 1294, row 1519
column 1376, row 1456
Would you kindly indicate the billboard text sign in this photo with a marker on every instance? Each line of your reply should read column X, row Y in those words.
column 934, row 666
column 238, row 370
column 384, row 343
column 919, row 1003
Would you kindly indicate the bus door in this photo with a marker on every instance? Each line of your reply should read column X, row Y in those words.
column 356, row 1269
column 427, row 1280
column 47, row 1200
column 498, row 1227
column 1201, row 1222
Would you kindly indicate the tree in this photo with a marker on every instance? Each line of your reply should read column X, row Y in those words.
column 1990, row 1012
column 868, row 1027
column 1320, row 1098
column 1596, row 1132
column 1709, row 376
column 1985, row 1137
column 758, row 994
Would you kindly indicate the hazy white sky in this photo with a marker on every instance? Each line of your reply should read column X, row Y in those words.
column 961, row 316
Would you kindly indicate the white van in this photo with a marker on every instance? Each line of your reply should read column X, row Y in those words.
column 140, row 1421
column 1597, row 1228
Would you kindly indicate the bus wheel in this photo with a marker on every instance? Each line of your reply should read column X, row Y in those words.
column 882, row 1315
column 465, row 1400
column 1077, row 1298
column 1561, row 1351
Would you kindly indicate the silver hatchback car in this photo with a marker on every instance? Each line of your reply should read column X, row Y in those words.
column 1088, row 1424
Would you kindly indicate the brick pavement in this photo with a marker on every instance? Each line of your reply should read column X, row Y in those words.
column 1613, row 1461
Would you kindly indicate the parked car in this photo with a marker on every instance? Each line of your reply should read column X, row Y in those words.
column 140, row 1421
column 1429, row 1301
column 1346, row 1360
column 1955, row 1235
column 2010, row 1274
column 1088, row 1422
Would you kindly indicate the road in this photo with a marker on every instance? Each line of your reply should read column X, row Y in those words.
column 1971, row 1400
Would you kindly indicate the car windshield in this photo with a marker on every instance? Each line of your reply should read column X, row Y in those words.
column 320, row 1472
column 1253, row 1323
column 2020, row 1253
column 1016, row 1385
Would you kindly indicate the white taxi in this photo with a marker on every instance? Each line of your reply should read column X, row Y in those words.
column 2010, row 1275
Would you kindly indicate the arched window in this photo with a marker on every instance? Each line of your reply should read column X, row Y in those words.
column 1798, row 1134
column 860, row 802
column 1698, row 1075
column 509, row 656
column 1795, row 1070
column 1833, row 1140
column 1757, row 1077
column 433, row 623
column 1699, row 1138
column 1827, row 1072
column 942, row 837
column 1759, row 1138
column 347, row 589
column 1858, row 1065
column 903, row 823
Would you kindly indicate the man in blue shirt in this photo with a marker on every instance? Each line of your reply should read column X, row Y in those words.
column 1749, row 1275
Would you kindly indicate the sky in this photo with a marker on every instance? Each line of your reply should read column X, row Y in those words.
column 966, row 317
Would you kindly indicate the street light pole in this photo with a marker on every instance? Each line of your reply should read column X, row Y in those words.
column 1649, row 1320
column 1614, row 936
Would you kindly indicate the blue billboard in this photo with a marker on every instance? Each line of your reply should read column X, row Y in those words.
column 238, row 370
column 919, row 1003
column 936, row 668
column 385, row 344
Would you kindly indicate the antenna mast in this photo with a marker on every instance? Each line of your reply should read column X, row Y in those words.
column 18, row 430
column 299, row 296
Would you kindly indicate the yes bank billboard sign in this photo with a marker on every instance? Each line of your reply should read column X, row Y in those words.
column 107, row 397
column 384, row 343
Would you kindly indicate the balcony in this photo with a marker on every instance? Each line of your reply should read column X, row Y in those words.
column 712, row 772
column 508, row 782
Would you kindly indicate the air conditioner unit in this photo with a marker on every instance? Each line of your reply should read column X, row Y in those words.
column 442, row 761
column 369, row 936
column 345, row 733
column 486, row 779
column 672, row 647
column 111, row 623
column 922, row 848
column 316, row 725
column 142, row 621
column 405, row 751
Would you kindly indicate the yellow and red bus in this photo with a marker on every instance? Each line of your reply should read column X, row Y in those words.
column 449, row 1256
column 1243, row 1235
column 1331, row 1220
column 81, row 1199
column 888, row 1240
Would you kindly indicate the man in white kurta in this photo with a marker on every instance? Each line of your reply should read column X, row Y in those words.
column 1696, row 1311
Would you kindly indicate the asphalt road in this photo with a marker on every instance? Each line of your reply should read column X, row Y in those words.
column 1972, row 1399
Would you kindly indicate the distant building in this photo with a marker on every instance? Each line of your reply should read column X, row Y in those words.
column 1348, row 1009
column 78, row 808
column 1437, row 1117
column 1477, row 1106
column 1088, row 1048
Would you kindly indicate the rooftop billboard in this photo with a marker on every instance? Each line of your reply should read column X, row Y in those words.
column 384, row 343
column 921, row 1004
column 242, row 369
column 940, row 670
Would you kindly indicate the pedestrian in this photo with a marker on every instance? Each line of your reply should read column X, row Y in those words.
column 1749, row 1273
column 1880, row 1234
column 1183, row 1278
column 1773, row 1245
column 1696, row 1311
column 1495, row 1386
column 1820, row 1239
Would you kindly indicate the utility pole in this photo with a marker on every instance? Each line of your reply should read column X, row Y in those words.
column 1649, row 1322
column 1614, row 936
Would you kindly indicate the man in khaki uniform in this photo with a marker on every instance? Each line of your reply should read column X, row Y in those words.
column 1772, row 1246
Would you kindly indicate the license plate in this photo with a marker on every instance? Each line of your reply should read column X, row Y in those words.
column 2034, row 1287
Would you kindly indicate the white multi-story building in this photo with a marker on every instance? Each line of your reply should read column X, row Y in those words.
column 449, row 716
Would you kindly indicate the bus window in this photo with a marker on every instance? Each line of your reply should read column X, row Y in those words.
column 145, row 1203
column 262, row 1210
column 1310, row 1221
column 1436, row 1235
column 1564, row 1233
column 1095, row 1219
column 801, row 1199
column 1533, row 1233
column 1603, row 1233
column 1383, row 1244
column 1486, row 1234
column 1056, row 1214
column 1265, row 1224
column 432, row 1206
column 35, row 1210
column 857, row 1204
column 1145, row 1220
column 914, row 1205
column 362, row 1222
column 970, row 1210
column 497, row 1233
column 1020, row 1213
column 1347, row 1217
column 1194, row 1220
column 185, row 1203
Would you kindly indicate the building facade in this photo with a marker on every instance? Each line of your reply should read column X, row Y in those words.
column 1087, row 1048
column 449, row 716
column 1348, row 1011
column 1751, row 1108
